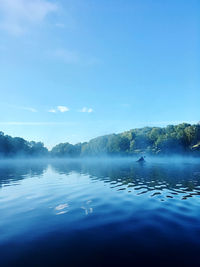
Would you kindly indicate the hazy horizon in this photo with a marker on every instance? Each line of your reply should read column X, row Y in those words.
column 67, row 141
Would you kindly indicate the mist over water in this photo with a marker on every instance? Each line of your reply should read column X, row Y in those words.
column 100, row 212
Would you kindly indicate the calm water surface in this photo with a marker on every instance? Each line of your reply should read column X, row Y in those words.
column 100, row 213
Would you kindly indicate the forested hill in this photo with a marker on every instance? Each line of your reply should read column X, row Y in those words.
column 173, row 139
column 18, row 147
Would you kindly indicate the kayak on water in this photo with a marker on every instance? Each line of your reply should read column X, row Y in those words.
column 141, row 159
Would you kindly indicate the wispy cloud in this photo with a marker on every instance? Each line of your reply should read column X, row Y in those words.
column 18, row 15
column 86, row 110
column 28, row 109
column 52, row 110
column 31, row 109
column 27, row 123
column 62, row 108
column 59, row 109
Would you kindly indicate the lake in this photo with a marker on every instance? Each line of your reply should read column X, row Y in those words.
column 106, row 212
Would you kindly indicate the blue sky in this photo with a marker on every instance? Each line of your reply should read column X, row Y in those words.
column 74, row 70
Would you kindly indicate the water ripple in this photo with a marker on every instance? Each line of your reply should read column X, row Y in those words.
column 129, row 208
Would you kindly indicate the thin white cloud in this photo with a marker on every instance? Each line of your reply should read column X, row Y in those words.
column 18, row 15
column 99, row 122
column 62, row 108
column 83, row 109
column 27, row 123
column 59, row 109
column 28, row 109
column 31, row 109
column 86, row 110
column 90, row 110
column 52, row 110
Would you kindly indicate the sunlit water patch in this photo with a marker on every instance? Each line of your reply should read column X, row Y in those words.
column 99, row 213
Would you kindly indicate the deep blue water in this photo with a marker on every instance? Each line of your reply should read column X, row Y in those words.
column 100, row 213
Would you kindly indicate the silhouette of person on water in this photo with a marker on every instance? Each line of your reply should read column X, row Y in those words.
column 141, row 159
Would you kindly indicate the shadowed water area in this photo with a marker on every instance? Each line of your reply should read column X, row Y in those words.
column 100, row 213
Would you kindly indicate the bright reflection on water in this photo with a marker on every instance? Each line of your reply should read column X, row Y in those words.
column 100, row 213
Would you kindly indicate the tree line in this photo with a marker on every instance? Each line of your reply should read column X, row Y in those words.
column 19, row 147
column 174, row 139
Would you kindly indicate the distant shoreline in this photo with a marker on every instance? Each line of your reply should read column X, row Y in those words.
column 172, row 140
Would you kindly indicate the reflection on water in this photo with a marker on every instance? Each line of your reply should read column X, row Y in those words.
column 13, row 171
column 167, row 179
column 61, row 209
column 99, row 213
